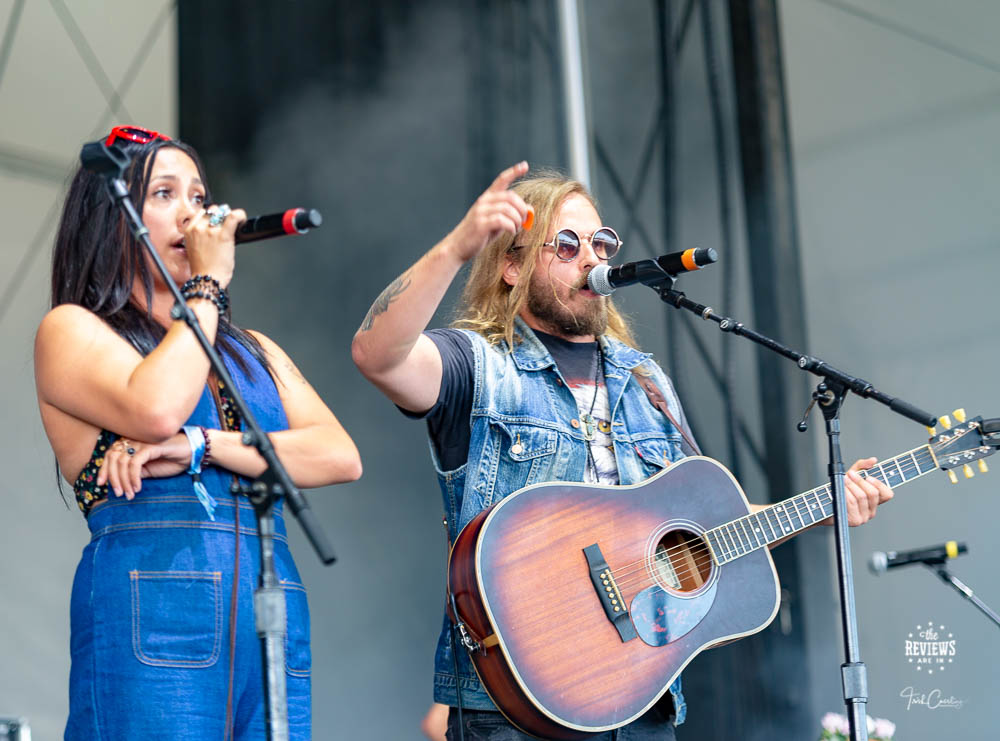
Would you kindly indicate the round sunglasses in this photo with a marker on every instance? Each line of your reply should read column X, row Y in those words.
column 567, row 243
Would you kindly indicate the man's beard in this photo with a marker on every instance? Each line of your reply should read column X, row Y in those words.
column 544, row 304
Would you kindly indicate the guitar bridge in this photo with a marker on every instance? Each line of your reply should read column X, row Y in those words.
column 608, row 593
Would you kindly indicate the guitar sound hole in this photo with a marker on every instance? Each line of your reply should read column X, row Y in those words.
column 682, row 561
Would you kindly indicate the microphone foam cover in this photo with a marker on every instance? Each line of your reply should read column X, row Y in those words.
column 878, row 563
column 598, row 281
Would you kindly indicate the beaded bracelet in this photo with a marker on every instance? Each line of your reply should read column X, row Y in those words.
column 206, row 287
column 208, row 446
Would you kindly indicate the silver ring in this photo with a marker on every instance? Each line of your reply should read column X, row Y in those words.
column 217, row 216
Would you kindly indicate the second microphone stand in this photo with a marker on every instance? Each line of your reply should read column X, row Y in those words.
column 951, row 580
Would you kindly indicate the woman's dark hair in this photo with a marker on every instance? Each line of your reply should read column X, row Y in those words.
column 97, row 259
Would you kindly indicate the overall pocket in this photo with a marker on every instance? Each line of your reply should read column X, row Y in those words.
column 298, row 656
column 176, row 617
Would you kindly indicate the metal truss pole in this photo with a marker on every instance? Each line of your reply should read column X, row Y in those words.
column 574, row 91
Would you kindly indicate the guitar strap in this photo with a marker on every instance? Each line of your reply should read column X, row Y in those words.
column 657, row 399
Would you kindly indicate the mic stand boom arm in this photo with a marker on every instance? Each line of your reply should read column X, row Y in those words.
column 269, row 598
column 950, row 579
column 830, row 393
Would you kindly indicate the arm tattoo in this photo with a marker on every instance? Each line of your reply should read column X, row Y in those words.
column 390, row 294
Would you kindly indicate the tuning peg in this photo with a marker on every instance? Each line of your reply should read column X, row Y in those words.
column 983, row 468
column 959, row 415
column 967, row 470
column 932, row 431
column 945, row 421
column 952, row 477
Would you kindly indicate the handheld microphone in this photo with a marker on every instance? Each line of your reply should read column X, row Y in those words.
column 604, row 279
column 881, row 562
column 292, row 221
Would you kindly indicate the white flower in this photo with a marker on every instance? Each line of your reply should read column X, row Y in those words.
column 843, row 725
column 884, row 729
column 830, row 722
column 836, row 723
column 871, row 724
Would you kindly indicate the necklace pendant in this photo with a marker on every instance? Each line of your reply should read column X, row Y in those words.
column 589, row 425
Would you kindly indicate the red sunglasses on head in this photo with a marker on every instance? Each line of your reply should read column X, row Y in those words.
column 135, row 134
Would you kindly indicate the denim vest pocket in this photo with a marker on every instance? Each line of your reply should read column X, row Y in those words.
column 525, row 452
column 298, row 656
column 176, row 617
column 656, row 453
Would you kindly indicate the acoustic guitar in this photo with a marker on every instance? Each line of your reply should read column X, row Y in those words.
column 580, row 603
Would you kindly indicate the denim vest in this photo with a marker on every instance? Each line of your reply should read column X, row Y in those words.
column 521, row 397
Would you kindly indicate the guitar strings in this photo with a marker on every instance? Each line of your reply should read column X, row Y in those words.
column 699, row 554
column 638, row 572
column 624, row 575
column 822, row 495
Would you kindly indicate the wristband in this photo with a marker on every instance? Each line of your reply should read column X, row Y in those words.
column 196, row 439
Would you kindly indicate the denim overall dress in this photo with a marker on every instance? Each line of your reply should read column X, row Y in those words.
column 162, row 640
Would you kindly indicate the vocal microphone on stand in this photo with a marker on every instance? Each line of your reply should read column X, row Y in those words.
column 880, row 562
column 292, row 221
column 604, row 279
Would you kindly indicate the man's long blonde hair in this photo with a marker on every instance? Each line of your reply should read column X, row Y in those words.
column 489, row 304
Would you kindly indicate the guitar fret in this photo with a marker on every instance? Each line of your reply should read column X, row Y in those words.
column 779, row 512
column 761, row 522
column 798, row 512
column 881, row 474
column 758, row 533
column 714, row 540
column 721, row 552
column 791, row 512
column 745, row 536
column 916, row 465
column 751, row 537
column 809, row 510
column 742, row 536
column 931, row 465
column 740, row 548
column 902, row 478
column 772, row 520
column 767, row 519
column 730, row 545
column 820, row 503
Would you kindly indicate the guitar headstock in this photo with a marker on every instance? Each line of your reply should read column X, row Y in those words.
column 962, row 443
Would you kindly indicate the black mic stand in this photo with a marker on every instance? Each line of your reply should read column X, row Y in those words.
column 830, row 394
column 947, row 577
column 269, row 598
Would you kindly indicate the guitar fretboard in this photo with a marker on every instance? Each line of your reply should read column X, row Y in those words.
column 760, row 529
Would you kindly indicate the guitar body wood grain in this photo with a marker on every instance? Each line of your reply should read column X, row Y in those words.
column 560, row 669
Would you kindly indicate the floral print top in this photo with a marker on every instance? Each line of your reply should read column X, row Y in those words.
column 88, row 493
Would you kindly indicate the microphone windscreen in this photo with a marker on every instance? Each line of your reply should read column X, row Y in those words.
column 598, row 281
column 878, row 563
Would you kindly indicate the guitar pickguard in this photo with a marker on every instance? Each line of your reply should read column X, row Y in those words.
column 661, row 617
